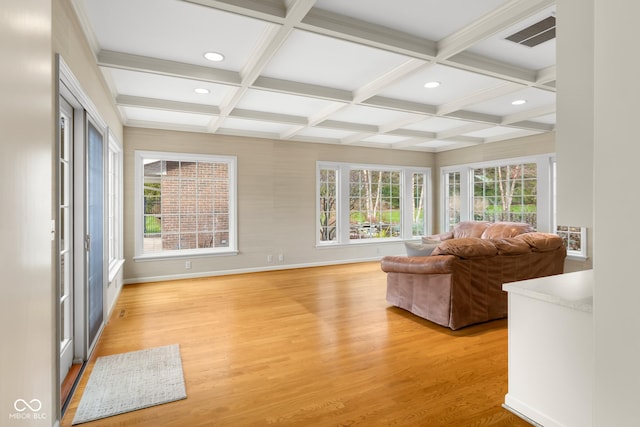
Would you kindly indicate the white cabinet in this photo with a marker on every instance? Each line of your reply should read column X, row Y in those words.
column 551, row 349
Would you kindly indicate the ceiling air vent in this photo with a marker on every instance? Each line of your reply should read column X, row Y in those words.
column 536, row 34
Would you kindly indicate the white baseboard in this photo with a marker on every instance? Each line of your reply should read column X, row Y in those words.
column 528, row 413
column 244, row 270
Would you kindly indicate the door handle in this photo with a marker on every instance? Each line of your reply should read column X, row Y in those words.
column 87, row 242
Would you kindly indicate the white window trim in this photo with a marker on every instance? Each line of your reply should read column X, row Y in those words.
column 342, row 214
column 232, row 249
column 117, row 261
column 545, row 213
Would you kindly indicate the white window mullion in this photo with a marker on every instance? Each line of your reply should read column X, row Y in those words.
column 343, row 204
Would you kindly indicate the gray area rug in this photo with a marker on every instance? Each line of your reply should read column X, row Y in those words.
column 129, row 381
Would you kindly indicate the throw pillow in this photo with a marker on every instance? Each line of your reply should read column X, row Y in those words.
column 419, row 249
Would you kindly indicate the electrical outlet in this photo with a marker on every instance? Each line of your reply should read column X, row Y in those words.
column 187, row 265
column 280, row 257
column 270, row 259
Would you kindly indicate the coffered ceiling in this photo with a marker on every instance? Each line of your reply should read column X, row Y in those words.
column 331, row 71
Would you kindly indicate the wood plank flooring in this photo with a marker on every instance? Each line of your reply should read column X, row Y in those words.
column 308, row 347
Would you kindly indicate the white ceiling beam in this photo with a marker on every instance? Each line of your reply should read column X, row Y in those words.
column 126, row 61
column 163, row 104
column 400, row 105
column 346, row 28
column 303, row 89
column 490, row 24
column 353, row 139
column 472, row 116
column 546, row 75
column 456, row 132
column 272, row 42
column 410, row 142
column 529, row 114
column 491, row 67
column 267, row 10
column 265, row 116
column 350, row 127
column 382, row 82
column 402, row 122
column 504, row 88
column 517, row 133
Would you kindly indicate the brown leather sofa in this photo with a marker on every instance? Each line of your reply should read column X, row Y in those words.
column 460, row 283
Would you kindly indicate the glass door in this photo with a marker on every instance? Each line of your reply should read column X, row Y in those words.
column 65, row 237
column 94, row 239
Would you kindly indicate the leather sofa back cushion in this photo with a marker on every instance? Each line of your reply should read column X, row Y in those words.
column 541, row 242
column 469, row 229
column 511, row 246
column 466, row 248
column 500, row 230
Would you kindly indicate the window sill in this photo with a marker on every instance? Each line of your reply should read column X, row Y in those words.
column 166, row 256
column 576, row 256
column 362, row 242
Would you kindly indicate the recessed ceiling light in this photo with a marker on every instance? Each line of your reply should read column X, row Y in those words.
column 431, row 85
column 201, row 90
column 214, row 56
column 519, row 102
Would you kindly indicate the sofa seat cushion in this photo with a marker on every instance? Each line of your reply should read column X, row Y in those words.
column 541, row 242
column 500, row 230
column 467, row 248
column 511, row 246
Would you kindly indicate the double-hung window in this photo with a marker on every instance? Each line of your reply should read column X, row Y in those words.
column 185, row 204
column 363, row 203
column 517, row 190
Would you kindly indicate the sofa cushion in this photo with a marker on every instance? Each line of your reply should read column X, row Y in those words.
column 541, row 242
column 419, row 249
column 467, row 248
column 511, row 246
column 469, row 229
column 500, row 230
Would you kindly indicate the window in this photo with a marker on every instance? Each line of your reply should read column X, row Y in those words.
column 453, row 197
column 505, row 193
column 517, row 190
column 185, row 204
column 114, row 208
column 360, row 203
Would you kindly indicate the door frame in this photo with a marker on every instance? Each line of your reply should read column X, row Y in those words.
column 68, row 86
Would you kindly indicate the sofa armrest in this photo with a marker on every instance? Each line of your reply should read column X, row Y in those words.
column 434, row 264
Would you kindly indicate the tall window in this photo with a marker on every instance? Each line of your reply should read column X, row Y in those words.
column 506, row 193
column 418, row 214
column 185, row 204
column 453, row 198
column 359, row 203
column 374, row 204
column 517, row 190
column 328, row 201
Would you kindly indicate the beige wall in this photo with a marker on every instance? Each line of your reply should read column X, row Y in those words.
column 276, row 206
column 27, row 297
column 575, row 115
column 616, row 90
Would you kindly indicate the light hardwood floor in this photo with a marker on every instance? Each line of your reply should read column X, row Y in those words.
column 307, row 347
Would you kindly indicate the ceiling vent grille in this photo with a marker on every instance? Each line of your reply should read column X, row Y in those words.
column 536, row 34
